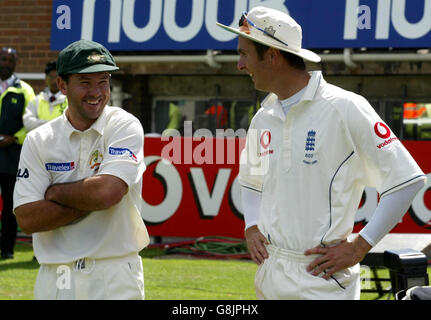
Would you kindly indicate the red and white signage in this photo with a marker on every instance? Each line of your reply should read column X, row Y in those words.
column 197, row 192
column 189, row 197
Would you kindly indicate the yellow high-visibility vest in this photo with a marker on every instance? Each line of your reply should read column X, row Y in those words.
column 44, row 112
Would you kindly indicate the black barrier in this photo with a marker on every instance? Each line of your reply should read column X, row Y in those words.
column 407, row 267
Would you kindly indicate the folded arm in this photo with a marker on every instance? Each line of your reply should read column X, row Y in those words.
column 67, row 202
column 90, row 194
column 43, row 215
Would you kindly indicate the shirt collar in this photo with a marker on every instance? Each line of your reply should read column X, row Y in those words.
column 98, row 126
column 272, row 103
column 312, row 86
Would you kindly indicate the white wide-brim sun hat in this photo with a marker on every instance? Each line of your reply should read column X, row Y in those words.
column 275, row 29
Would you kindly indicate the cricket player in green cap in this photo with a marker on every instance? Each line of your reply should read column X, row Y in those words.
column 79, row 191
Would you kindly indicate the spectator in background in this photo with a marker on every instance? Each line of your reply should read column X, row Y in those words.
column 48, row 104
column 15, row 96
column 175, row 119
column 220, row 113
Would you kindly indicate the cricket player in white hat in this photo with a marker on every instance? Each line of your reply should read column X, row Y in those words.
column 310, row 151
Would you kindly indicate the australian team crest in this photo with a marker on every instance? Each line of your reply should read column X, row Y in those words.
column 310, row 145
column 95, row 160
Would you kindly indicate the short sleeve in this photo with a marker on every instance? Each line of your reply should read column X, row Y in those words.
column 32, row 178
column 387, row 164
column 252, row 169
column 124, row 156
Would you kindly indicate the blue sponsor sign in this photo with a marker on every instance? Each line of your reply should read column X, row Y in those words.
column 60, row 166
column 148, row 25
column 121, row 151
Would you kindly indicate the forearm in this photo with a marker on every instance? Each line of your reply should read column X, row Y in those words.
column 40, row 216
column 360, row 248
column 250, row 201
column 389, row 212
column 90, row 194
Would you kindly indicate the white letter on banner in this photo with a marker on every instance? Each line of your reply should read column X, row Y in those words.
column 115, row 21
column 410, row 30
column 63, row 21
column 146, row 33
column 235, row 194
column 366, row 211
column 174, row 192
column 383, row 19
column 88, row 19
column 274, row 4
column 209, row 202
column 183, row 34
column 211, row 14
column 420, row 210
column 351, row 19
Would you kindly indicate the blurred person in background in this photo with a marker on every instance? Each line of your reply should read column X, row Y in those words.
column 15, row 96
column 48, row 104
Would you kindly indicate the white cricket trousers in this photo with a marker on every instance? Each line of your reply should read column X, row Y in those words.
column 283, row 276
column 120, row 278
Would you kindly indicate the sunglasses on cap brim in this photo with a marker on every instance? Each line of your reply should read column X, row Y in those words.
column 244, row 19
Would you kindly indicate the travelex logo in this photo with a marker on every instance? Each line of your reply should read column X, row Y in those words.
column 60, row 166
column 121, row 151
column 383, row 132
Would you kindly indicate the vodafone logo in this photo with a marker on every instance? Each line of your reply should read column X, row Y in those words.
column 265, row 139
column 382, row 130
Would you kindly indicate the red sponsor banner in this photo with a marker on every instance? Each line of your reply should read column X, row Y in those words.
column 197, row 194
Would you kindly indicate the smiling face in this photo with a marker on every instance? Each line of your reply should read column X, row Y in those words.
column 87, row 95
column 257, row 67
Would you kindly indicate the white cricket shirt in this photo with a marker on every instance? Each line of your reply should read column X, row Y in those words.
column 313, row 164
column 58, row 153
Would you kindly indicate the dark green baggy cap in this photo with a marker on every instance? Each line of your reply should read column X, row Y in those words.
column 85, row 56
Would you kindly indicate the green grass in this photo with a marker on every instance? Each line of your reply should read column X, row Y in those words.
column 172, row 279
column 17, row 276
column 166, row 278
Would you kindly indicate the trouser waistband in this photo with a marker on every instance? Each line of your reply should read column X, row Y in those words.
column 88, row 264
column 290, row 255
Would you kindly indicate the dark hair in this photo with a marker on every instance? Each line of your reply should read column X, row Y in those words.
column 293, row 60
column 50, row 66
column 65, row 77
